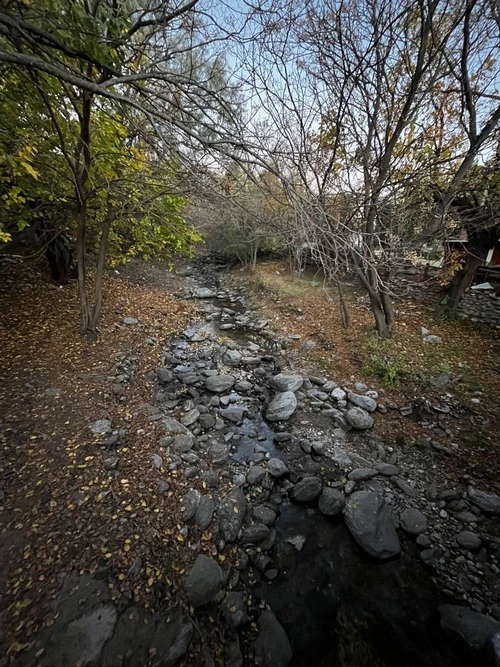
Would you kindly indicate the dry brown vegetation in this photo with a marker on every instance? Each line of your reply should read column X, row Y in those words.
column 62, row 510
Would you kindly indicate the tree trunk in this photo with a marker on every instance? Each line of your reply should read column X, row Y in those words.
column 344, row 313
column 462, row 280
column 101, row 262
column 81, row 246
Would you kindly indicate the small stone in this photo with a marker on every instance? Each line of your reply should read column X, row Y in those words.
column 413, row 521
column 361, row 474
column 283, row 382
column 231, row 512
column 306, row 490
column 204, row 512
column 433, row 340
column 364, row 402
column 255, row 534
column 112, row 463
column 331, row 501
column 359, row 419
column 297, row 541
column 219, row 383
column 204, row 293
column 277, row 468
column 469, row 540
column 234, row 609
column 190, row 417
column 157, row 461
column 164, row 375
column 130, row 321
column 101, row 427
column 183, row 443
column 190, row 502
column 423, row 541
column 489, row 503
column 204, row 581
column 282, row 406
column 255, row 475
column 265, row 515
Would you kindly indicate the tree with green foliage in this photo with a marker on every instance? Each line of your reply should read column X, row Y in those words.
column 105, row 77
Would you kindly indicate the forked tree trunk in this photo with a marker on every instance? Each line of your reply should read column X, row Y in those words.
column 463, row 279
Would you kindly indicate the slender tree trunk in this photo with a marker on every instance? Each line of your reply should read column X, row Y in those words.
column 101, row 262
column 344, row 313
column 81, row 245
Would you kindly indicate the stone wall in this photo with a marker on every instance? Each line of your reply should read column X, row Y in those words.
column 476, row 305
column 479, row 306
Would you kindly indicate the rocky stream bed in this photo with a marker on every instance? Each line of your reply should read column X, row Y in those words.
column 337, row 548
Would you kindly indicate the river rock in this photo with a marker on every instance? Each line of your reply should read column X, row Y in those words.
column 277, row 468
column 272, row 647
column 285, row 382
column 255, row 475
column 331, row 501
column 204, row 512
column 472, row 630
column 361, row 474
column 190, row 502
column 255, row 534
column 164, row 375
column 231, row 512
column 101, row 427
column 365, row 402
column 489, row 503
column 183, row 443
column 370, row 523
column 173, row 427
column 306, row 490
column 204, row 581
column 413, row 521
column 190, row 417
column 234, row 413
column 282, row 406
column 234, row 609
column 204, row 293
column 219, row 383
column 232, row 358
column 469, row 540
column 264, row 514
column 338, row 394
column 359, row 418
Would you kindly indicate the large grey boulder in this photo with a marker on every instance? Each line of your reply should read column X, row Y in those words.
column 231, row 512
column 286, row 382
column 282, row 406
column 306, row 490
column 476, row 634
column 489, row 503
column 219, row 383
column 364, row 402
column 359, row 418
column 272, row 647
column 370, row 523
column 204, row 581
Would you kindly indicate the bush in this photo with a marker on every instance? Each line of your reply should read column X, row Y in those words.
column 391, row 371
